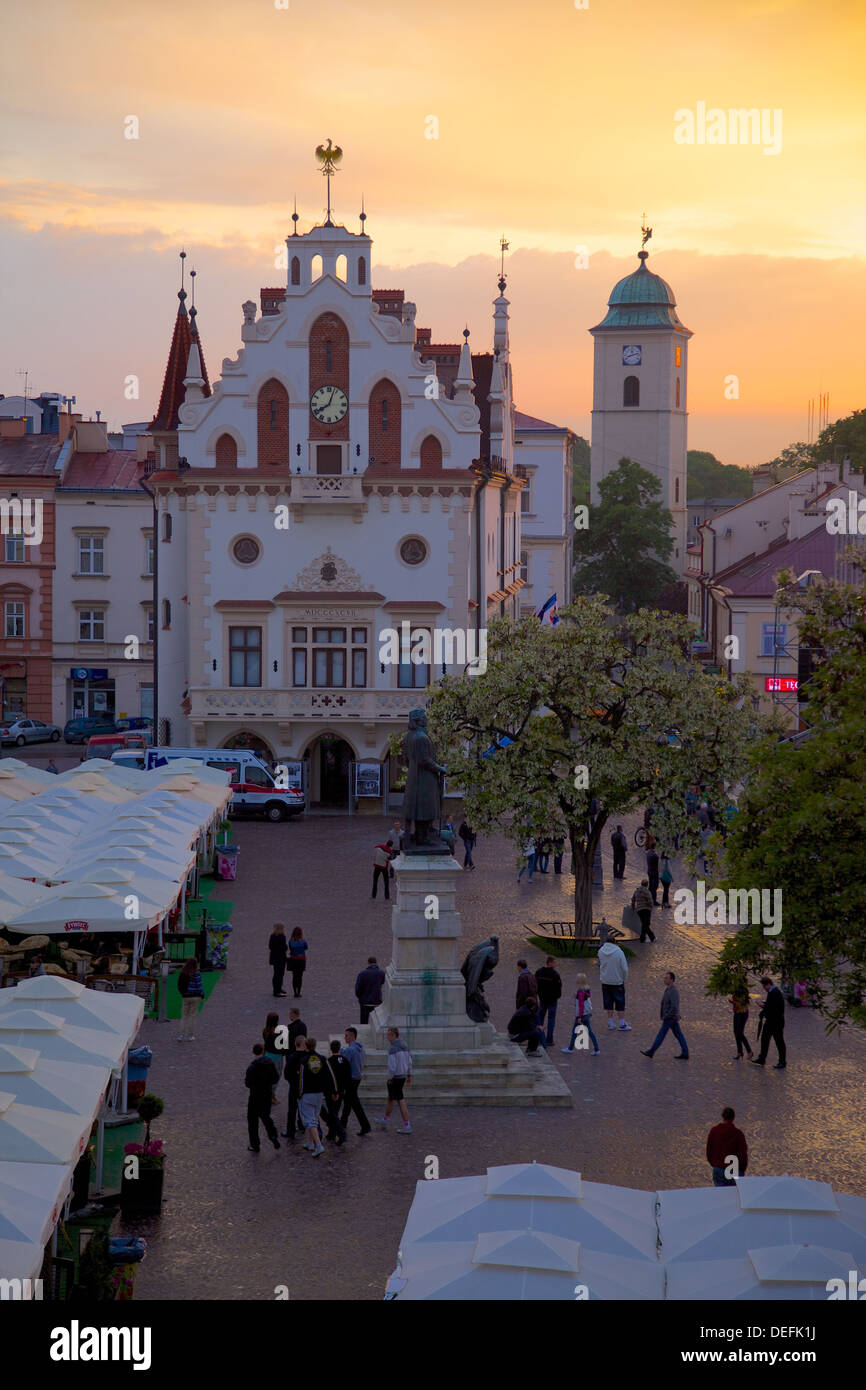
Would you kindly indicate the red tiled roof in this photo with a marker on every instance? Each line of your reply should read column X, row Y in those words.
column 118, row 468
column 173, row 392
column 531, row 422
column 31, row 455
column 754, row 576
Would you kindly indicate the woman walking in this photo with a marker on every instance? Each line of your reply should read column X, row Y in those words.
column 297, row 960
column 666, row 878
column 269, row 1037
column 642, row 902
column 740, row 1008
column 278, row 949
column 191, row 991
column 583, row 1016
column 531, row 857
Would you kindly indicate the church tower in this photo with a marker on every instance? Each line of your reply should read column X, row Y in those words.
column 640, row 383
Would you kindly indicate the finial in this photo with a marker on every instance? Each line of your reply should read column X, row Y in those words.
column 181, row 294
column 363, row 217
column 295, row 217
column 503, row 247
column 192, row 275
column 466, row 334
column 646, row 233
column 329, row 157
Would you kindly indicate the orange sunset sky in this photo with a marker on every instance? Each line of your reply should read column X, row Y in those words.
column 555, row 127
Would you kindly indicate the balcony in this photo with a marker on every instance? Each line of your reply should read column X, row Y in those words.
column 246, row 703
column 338, row 492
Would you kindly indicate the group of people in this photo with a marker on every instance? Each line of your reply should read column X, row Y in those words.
column 286, row 951
column 537, row 853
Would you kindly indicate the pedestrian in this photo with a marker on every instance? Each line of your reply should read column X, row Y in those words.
column 523, row 1026
column 399, row 1075
column 771, row 1025
column 652, row 869
column 558, row 849
column 468, row 836
column 549, row 982
column 740, row 1014
column 354, row 1054
column 52, row 766
column 297, row 960
column 381, row 865
column 642, row 901
column 613, row 973
column 36, row 967
column 278, row 949
column 666, row 877
column 292, row 1073
column 339, row 1072
column 297, row 1027
column 669, row 1013
column 530, row 856
column 368, row 987
column 260, row 1080
column 312, row 1078
column 526, row 984
column 619, row 845
column 544, row 849
column 395, row 837
column 727, row 1149
column 583, row 1017
column 269, row 1038
column 191, row 991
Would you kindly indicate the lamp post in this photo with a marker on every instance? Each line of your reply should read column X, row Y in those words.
column 164, row 969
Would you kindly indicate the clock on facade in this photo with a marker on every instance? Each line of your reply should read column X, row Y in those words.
column 631, row 355
column 329, row 404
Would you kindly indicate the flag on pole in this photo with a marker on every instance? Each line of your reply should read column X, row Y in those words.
column 548, row 613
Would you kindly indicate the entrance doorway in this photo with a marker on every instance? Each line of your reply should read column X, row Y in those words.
column 335, row 758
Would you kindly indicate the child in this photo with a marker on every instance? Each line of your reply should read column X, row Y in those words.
column 583, row 1016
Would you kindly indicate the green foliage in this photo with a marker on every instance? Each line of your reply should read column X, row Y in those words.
column 843, row 437
column 149, row 1108
column 578, row 452
column 792, row 460
column 623, row 552
column 707, row 476
column 596, row 691
column 95, row 1271
column 802, row 819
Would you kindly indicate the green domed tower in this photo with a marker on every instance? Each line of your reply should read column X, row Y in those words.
column 639, row 399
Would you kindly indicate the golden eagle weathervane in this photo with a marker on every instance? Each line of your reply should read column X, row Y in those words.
column 329, row 157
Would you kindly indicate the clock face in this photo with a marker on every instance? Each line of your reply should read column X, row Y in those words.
column 631, row 355
column 329, row 404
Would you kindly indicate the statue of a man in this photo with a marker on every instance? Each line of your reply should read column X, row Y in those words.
column 422, row 805
column 476, row 969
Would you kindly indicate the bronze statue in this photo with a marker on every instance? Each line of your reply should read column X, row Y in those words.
column 422, row 806
column 478, row 967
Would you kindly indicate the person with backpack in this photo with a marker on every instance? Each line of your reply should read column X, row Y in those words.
column 549, row 986
column 297, row 960
column 191, row 991
column 468, row 836
column 399, row 1075
column 666, row 878
column 583, row 1016
column 278, row 949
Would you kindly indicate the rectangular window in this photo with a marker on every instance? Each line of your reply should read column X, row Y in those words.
column 329, row 667
column 359, row 636
column 148, row 555
column 14, row 550
column 411, row 676
column 148, row 617
column 678, row 356
column 773, row 636
column 526, row 497
column 299, row 634
column 14, row 611
column 359, row 669
column 245, row 655
column 91, row 555
column 524, row 566
column 91, row 625
column 299, row 667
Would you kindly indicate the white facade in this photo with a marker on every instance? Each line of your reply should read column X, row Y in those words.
column 547, row 516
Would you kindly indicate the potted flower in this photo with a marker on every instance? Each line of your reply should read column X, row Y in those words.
column 144, row 1165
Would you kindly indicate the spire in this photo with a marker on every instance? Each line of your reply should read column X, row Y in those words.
column 496, row 398
column 464, row 382
column 196, row 341
column 173, row 390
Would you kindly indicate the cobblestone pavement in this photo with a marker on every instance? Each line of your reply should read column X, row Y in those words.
column 237, row 1225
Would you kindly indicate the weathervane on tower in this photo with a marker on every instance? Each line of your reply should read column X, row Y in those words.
column 645, row 234
column 503, row 247
column 329, row 157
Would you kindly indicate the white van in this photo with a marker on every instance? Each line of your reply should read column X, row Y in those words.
column 254, row 789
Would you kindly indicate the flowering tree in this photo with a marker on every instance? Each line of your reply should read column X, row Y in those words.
column 585, row 705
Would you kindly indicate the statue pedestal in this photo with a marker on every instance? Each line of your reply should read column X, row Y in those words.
column 455, row 1061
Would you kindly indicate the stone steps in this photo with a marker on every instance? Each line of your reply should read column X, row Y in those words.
column 500, row 1075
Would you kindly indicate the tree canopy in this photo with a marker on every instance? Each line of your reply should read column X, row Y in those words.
column 622, row 553
column 707, row 476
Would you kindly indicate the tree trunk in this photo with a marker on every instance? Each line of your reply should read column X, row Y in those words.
column 582, row 892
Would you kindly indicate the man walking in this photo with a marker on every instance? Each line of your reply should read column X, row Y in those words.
column 558, row 850
column 549, row 983
column 613, row 973
column 354, row 1054
column 643, row 902
column 771, row 1025
column 468, row 836
column 296, row 1029
column 381, row 861
column 727, row 1150
column 313, row 1077
column 526, row 984
column 292, row 1073
column 652, row 869
column 669, row 1013
column 368, row 988
column 619, row 845
column 260, row 1080
column 399, row 1075
column 278, row 948
column 335, row 1095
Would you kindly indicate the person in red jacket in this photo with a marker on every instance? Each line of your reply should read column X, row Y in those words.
column 727, row 1151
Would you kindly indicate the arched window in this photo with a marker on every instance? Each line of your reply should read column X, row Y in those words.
column 315, row 268
column 631, row 391
column 273, row 423
column 226, row 452
column 431, row 454
column 362, row 270
column 329, row 356
column 296, row 270
column 166, row 613
column 678, row 392
column 676, row 485
column 166, row 526
column 384, row 423
column 342, row 267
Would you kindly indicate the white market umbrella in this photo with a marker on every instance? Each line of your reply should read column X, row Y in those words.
column 146, row 886
column 18, row 1259
column 27, row 772
column 73, row 1003
column 133, row 858
column 31, row 1200
column 22, row 861
column 70, row 1088
column 30, row 1134
column 787, row 1273
column 58, row 1041
column 85, row 907
column 164, row 834
column 16, row 893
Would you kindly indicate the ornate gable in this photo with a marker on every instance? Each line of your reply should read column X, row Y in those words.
column 326, row 573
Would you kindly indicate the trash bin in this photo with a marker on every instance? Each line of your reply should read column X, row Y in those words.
column 227, row 861
column 218, row 944
column 140, row 1059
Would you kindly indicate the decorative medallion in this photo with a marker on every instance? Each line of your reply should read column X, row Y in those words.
column 413, row 551
column 246, row 550
column 326, row 572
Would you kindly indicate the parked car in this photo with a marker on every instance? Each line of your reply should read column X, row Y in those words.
column 23, row 731
column 81, row 729
column 136, row 721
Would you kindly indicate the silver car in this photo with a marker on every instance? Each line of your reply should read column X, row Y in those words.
column 21, row 731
